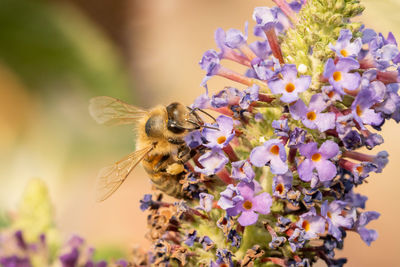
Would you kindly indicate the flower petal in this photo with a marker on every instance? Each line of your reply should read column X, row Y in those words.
column 329, row 149
column 309, row 149
column 305, row 170
column 248, row 218
column 326, row 170
column 262, row 203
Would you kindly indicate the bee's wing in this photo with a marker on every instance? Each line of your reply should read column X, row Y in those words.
column 111, row 111
column 111, row 177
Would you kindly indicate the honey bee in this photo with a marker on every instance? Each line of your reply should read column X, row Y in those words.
column 160, row 143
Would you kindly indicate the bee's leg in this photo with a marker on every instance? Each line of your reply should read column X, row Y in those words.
column 176, row 141
column 184, row 153
column 161, row 163
column 175, row 168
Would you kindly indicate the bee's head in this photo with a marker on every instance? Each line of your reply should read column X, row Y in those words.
column 182, row 118
column 178, row 115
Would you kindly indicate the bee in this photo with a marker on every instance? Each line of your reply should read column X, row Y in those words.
column 161, row 147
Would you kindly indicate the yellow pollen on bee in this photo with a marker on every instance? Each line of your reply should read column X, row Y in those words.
column 344, row 52
column 329, row 214
column 247, row 205
column 316, row 157
column 359, row 169
column 311, row 115
column 337, row 76
column 306, row 225
column 221, row 139
column 290, row 87
column 274, row 150
column 279, row 188
column 359, row 110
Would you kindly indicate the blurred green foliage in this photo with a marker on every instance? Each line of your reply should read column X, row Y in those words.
column 47, row 42
column 4, row 220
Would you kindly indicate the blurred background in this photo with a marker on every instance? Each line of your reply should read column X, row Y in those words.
column 56, row 55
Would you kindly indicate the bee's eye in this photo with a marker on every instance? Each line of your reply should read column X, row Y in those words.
column 154, row 126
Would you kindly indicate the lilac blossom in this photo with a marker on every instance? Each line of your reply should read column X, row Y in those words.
column 250, row 95
column 206, row 202
column 194, row 139
column 229, row 197
column 228, row 96
column 221, row 137
column 210, row 62
column 356, row 200
column 235, row 38
column 361, row 107
column 312, row 116
column 212, row 161
column 344, row 47
column 281, row 184
column 261, row 49
column 333, row 213
column 367, row 235
column 224, row 258
column 243, row 171
column 258, row 117
column 289, row 85
column 146, row 202
column 265, row 18
column 330, row 94
column 297, row 239
column 203, row 101
column 281, row 127
column 297, row 137
column 312, row 224
column 271, row 153
column 251, row 204
column 384, row 51
column 318, row 159
column 390, row 107
column 266, row 69
column 339, row 75
column 191, row 237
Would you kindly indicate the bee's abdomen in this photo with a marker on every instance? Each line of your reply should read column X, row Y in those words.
column 156, row 165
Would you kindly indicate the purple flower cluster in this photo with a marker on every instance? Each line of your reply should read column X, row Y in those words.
column 279, row 166
column 16, row 251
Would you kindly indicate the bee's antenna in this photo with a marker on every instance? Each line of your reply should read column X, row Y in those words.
column 198, row 126
column 193, row 111
column 210, row 127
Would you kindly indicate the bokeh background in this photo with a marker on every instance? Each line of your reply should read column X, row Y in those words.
column 56, row 55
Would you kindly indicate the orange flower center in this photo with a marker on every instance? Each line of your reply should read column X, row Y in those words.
column 311, row 115
column 279, row 188
column 359, row 169
column 331, row 94
column 221, row 139
column 359, row 110
column 306, row 225
column 329, row 214
column 316, row 157
column 290, row 87
column 274, row 150
column 337, row 76
column 247, row 205
column 344, row 52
